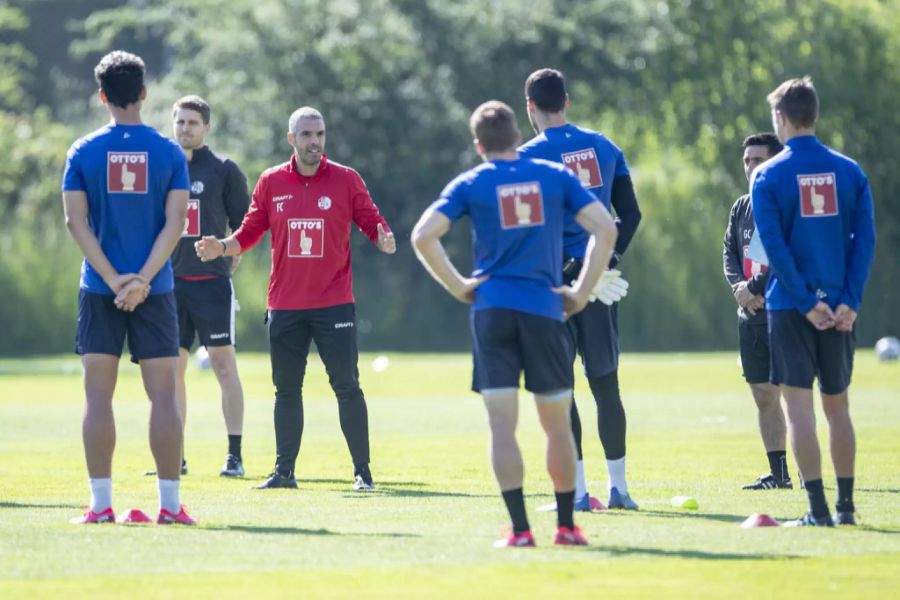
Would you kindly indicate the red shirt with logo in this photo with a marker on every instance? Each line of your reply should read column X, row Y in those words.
column 310, row 219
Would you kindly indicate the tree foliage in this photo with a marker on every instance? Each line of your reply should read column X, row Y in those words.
column 677, row 84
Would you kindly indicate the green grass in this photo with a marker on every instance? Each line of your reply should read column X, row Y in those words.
column 427, row 530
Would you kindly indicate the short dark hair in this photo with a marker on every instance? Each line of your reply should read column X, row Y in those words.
column 767, row 139
column 493, row 125
column 121, row 77
column 797, row 100
column 547, row 89
column 195, row 103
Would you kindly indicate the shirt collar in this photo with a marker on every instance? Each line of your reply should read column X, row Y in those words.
column 802, row 141
column 323, row 167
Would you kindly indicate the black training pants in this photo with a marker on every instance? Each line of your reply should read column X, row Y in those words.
column 334, row 330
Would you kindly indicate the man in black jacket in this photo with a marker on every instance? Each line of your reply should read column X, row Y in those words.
column 203, row 290
column 748, row 279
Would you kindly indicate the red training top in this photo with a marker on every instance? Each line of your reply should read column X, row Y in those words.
column 309, row 218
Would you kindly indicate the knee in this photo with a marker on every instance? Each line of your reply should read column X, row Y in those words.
column 835, row 408
column 348, row 393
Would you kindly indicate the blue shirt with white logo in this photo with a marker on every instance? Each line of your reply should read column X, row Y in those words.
column 592, row 157
column 814, row 216
column 517, row 209
column 126, row 172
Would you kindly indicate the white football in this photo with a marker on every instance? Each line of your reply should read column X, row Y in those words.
column 201, row 357
column 887, row 348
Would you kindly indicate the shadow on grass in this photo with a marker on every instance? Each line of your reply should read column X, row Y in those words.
column 349, row 482
column 383, row 491
column 724, row 518
column 301, row 531
column 701, row 554
column 26, row 505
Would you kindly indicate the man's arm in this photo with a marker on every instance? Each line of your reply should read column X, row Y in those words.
column 596, row 220
column 731, row 256
column 862, row 249
column 75, row 206
column 757, row 284
column 628, row 214
column 236, row 195
column 167, row 239
column 426, row 239
column 252, row 229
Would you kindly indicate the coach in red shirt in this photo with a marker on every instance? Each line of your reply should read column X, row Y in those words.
column 309, row 204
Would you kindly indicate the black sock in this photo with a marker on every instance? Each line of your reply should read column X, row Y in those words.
column 576, row 428
column 818, row 506
column 611, row 423
column 778, row 464
column 234, row 446
column 845, row 494
column 364, row 472
column 515, row 505
column 565, row 509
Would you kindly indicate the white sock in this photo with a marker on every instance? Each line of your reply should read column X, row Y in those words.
column 168, row 495
column 616, row 469
column 101, row 494
column 580, row 483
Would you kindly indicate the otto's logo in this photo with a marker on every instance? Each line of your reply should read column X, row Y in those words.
column 818, row 195
column 192, row 222
column 521, row 205
column 197, row 187
column 751, row 267
column 584, row 164
column 126, row 172
column 306, row 238
column 324, row 203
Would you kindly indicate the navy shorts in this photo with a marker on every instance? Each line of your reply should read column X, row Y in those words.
column 151, row 329
column 595, row 331
column 753, row 341
column 507, row 342
column 206, row 309
column 802, row 353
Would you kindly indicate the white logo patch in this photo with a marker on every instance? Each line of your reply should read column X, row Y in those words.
column 343, row 325
column 324, row 203
column 283, row 197
column 197, row 187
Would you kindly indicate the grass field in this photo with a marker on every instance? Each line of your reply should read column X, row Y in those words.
column 427, row 530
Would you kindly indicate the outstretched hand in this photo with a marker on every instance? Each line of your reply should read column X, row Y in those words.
column 209, row 248
column 386, row 241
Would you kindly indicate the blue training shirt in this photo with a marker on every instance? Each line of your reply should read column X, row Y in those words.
column 814, row 215
column 592, row 157
column 127, row 172
column 517, row 209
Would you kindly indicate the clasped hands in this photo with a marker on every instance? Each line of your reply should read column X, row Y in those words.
column 746, row 299
column 130, row 289
column 841, row 318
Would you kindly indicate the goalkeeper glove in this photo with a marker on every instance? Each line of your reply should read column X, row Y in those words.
column 611, row 287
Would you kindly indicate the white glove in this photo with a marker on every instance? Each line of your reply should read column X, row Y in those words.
column 611, row 287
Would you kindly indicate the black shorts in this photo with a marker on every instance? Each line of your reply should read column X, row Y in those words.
column 206, row 310
column 506, row 342
column 152, row 328
column 753, row 340
column 595, row 331
column 802, row 353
